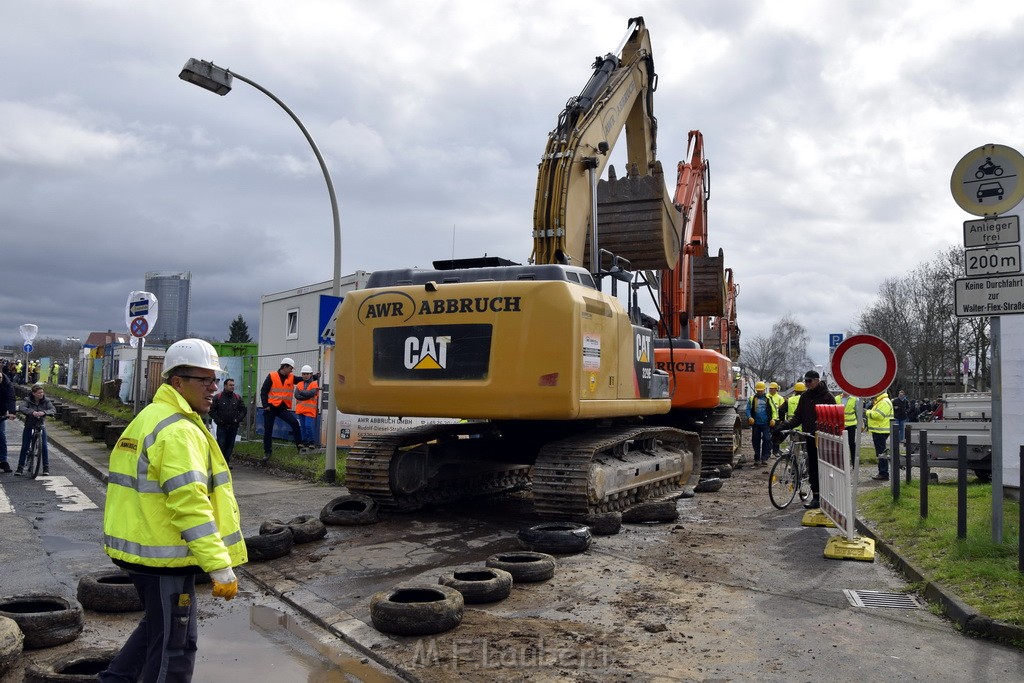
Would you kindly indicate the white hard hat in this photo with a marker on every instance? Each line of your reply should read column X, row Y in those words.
column 305, row 369
column 288, row 361
column 193, row 353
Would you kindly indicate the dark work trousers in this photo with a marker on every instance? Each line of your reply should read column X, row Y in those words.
column 226, row 434
column 851, row 434
column 812, row 462
column 287, row 416
column 163, row 646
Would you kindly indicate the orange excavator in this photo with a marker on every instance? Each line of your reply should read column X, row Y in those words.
column 697, row 336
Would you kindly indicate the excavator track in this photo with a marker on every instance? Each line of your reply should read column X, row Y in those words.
column 719, row 439
column 368, row 470
column 562, row 475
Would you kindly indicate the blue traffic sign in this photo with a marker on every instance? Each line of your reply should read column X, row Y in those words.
column 329, row 306
column 834, row 340
column 138, row 308
column 27, row 348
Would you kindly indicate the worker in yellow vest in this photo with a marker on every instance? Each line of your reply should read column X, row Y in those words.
column 170, row 515
column 880, row 416
column 849, row 404
column 307, row 395
column 780, row 409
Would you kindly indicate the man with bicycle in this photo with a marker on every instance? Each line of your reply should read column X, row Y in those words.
column 35, row 408
column 806, row 416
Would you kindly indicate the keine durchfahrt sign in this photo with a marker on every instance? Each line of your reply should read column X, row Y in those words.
column 973, row 297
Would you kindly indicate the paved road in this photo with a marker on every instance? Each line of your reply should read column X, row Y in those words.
column 52, row 529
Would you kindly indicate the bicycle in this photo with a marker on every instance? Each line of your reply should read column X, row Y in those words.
column 788, row 476
column 34, row 457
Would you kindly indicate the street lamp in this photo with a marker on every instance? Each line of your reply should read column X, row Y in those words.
column 209, row 76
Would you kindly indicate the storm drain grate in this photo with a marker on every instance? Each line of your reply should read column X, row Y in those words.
column 876, row 599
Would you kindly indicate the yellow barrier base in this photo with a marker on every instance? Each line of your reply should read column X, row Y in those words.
column 860, row 548
column 817, row 518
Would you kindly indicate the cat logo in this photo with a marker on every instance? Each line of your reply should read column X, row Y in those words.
column 643, row 348
column 427, row 353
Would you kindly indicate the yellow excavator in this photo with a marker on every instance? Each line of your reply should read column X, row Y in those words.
column 553, row 377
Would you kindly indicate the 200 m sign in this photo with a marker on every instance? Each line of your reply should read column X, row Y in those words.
column 992, row 260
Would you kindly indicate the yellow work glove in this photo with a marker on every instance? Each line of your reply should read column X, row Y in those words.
column 771, row 423
column 225, row 585
column 750, row 420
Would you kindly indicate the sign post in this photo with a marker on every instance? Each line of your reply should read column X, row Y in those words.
column 863, row 366
column 28, row 333
column 987, row 182
column 140, row 315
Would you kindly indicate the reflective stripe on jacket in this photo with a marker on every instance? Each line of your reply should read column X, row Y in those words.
column 306, row 406
column 281, row 390
column 880, row 415
column 170, row 501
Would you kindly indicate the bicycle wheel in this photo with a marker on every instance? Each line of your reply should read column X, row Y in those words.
column 35, row 455
column 803, row 489
column 782, row 481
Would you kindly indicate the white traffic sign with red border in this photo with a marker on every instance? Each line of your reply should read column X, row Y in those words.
column 863, row 365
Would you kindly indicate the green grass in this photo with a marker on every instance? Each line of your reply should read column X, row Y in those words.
column 983, row 574
column 284, row 457
column 111, row 407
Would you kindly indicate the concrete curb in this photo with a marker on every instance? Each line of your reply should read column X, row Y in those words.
column 955, row 609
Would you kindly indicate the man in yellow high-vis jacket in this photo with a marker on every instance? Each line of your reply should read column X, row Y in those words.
column 171, row 514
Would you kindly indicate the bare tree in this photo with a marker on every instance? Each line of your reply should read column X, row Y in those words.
column 916, row 316
column 782, row 355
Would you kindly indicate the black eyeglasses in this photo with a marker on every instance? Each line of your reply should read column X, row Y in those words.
column 207, row 382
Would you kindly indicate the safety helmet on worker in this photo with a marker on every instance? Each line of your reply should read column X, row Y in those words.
column 192, row 353
column 759, row 386
column 287, row 361
column 773, row 385
column 305, row 369
column 799, row 387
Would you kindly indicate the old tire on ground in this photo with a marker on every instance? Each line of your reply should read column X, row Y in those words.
column 350, row 510
column 708, row 485
column 417, row 610
column 45, row 620
column 603, row 523
column 725, row 471
column 525, row 566
column 82, row 665
column 11, row 643
column 271, row 526
column 555, row 538
column 307, row 528
column 478, row 584
column 654, row 511
column 277, row 543
column 111, row 590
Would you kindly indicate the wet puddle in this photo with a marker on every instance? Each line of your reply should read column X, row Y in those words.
column 260, row 643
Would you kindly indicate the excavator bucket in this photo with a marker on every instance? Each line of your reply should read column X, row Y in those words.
column 637, row 221
column 709, row 285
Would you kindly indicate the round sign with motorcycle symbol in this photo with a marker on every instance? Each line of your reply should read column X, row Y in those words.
column 987, row 181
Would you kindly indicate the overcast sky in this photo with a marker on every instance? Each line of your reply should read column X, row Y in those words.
column 832, row 129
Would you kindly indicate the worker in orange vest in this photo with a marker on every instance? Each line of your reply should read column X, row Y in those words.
column 307, row 393
column 276, row 395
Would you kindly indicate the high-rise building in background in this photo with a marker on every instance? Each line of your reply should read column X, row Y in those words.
column 173, row 295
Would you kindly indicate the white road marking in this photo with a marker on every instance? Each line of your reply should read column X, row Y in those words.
column 5, row 502
column 73, row 499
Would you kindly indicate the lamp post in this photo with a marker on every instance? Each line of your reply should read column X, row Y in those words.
column 211, row 77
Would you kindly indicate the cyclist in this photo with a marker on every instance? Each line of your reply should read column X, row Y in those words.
column 35, row 408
